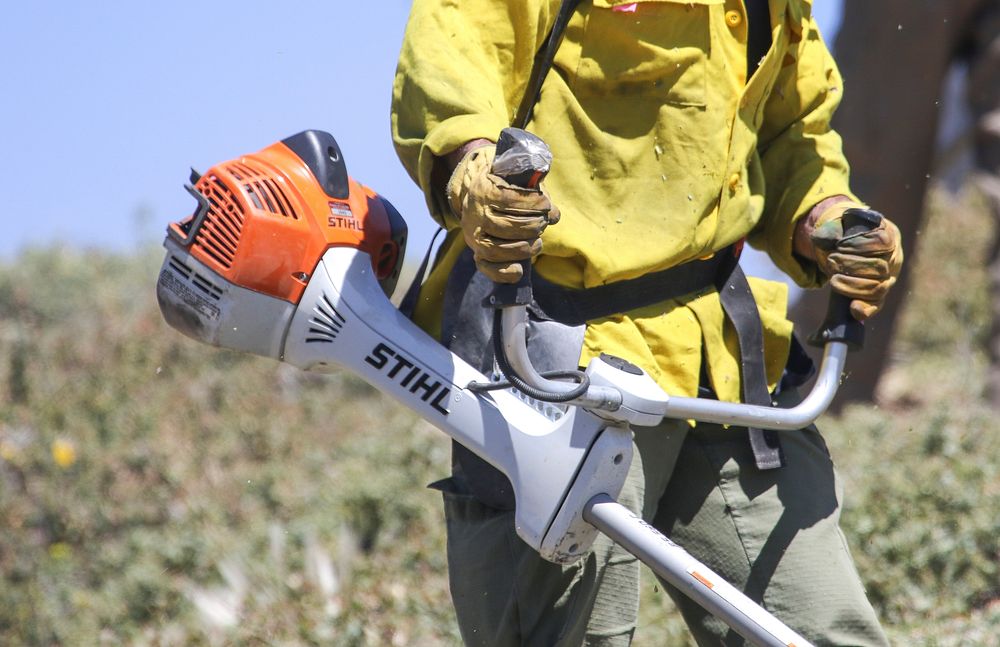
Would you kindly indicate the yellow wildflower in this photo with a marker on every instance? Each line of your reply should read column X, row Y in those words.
column 59, row 551
column 63, row 453
column 7, row 451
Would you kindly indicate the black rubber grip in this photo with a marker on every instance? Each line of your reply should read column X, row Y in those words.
column 840, row 324
column 516, row 294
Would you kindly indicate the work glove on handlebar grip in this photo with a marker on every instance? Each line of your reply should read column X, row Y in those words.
column 501, row 223
column 862, row 267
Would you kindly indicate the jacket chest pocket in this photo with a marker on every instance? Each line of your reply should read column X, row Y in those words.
column 653, row 49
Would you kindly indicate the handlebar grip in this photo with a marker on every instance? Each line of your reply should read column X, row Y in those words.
column 522, row 159
column 840, row 324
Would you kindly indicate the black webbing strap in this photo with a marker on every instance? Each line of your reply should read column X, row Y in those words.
column 758, row 33
column 543, row 63
column 737, row 300
column 409, row 303
column 576, row 307
column 741, row 309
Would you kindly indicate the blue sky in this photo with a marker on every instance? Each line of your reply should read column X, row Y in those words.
column 107, row 104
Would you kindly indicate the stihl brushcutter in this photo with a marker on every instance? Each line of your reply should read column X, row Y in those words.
column 287, row 257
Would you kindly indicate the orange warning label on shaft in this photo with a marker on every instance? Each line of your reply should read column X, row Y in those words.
column 701, row 578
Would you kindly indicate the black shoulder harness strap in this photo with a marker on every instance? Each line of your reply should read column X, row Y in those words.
column 543, row 63
column 758, row 33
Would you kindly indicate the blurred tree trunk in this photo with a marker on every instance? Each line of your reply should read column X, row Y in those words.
column 894, row 55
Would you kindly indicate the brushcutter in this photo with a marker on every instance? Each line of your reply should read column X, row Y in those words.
column 287, row 257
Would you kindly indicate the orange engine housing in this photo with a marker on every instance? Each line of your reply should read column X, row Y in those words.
column 264, row 220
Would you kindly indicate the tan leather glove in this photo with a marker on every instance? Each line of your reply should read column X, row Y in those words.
column 501, row 223
column 862, row 267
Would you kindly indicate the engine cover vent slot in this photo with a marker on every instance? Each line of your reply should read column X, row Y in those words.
column 206, row 286
column 180, row 267
column 326, row 323
column 219, row 234
column 262, row 189
column 195, row 278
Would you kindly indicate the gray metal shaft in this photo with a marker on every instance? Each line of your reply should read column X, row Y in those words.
column 691, row 577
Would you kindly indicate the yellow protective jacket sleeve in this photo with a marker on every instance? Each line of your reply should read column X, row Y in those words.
column 663, row 152
column 462, row 71
column 802, row 159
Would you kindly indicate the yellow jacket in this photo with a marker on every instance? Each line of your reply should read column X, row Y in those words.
column 663, row 153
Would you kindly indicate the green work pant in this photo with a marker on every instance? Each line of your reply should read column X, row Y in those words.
column 774, row 534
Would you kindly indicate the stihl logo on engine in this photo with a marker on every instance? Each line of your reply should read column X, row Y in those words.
column 410, row 377
column 342, row 217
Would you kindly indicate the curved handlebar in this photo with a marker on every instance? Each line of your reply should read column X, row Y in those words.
column 839, row 332
column 522, row 159
column 748, row 415
column 514, row 324
column 839, row 325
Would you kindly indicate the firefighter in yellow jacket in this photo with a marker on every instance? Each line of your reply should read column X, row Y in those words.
column 678, row 130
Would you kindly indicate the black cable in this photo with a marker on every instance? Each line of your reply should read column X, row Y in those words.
column 483, row 387
column 516, row 381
